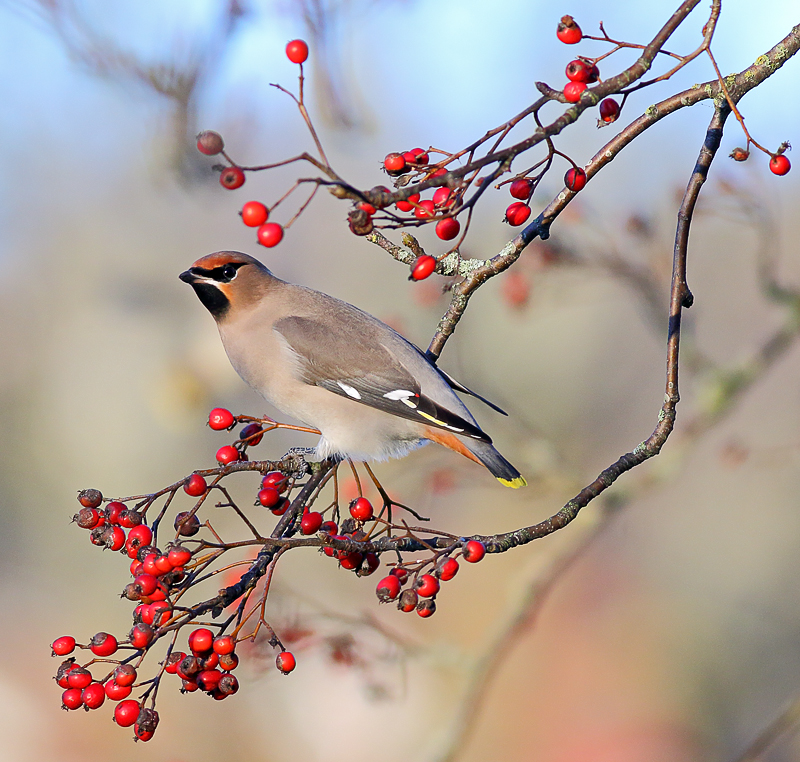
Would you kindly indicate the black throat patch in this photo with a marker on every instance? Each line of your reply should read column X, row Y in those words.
column 213, row 299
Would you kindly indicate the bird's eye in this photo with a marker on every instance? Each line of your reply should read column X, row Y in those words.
column 229, row 272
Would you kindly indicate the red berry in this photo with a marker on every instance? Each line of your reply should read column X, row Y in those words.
column 372, row 562
column 394, row 163
column 179, row 555
column 160, row 611
column 517, row 213
column 568, row 31
column 228, row 662
column 297, row 51
column 609, row 110
column 275, row 479
column 173, row 660
column 126, row 713
column 424, row 210
column 130, row 519
column 388, row 589
column 420, row 155
column 90, row 498
column 448, row 228
column 62, row 674
column 113, row 511
column 188, row 686
column 72, row 698
column 117, row 539
column 140, row 536
column 280, row 507
column 427, row 585
column 407, row 206
column 443, row 197
column 195, row 486
column 224, row 644
column 351, row 561
column 201, row 640
column 400, row 573
column 252, row 434
column 254, row 213
column 573, row 90
column 103, row 644
column 79, row 678
column 779, row 165
column 220, row 418
column 117, row 692
column 93, row 696
column 270, row 234
column 64, row 645
column 368, row 208
column 269, row 497
column 582, row 71
column 361, row 509
column 447, row 569
column 473, row 551
column 210, row 143
column 521, row 189
column 227, row 454
column 208, row 679
column 163, row 565
column 149, row 568
column 575, row 179
column 231, row 178
column 285, row 662
column 125, row 675
column 408, row 601
column 140, row 635
column 426, row 608
column 423, row 266
column 311, row 522
column 146, row 584
column 329, row 527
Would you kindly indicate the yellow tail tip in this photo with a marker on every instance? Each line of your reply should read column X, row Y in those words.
column 513, row 483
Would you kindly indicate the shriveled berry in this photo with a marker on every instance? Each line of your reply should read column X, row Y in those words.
column 739, row 154
column 186, row 525
column 388, row 589
column 189, row 668
column 90, row 498
column 408, row 601
column 103, row 644
column 427, row 586
column 521, row 189
column 201, row 640
column 517, row 213
column 395, row 164
column 297, row 51
column 72, row 698
column 117, row 692
column 361, row 509
column 87, row 518
column 252, row 434
column 422, row 267
column 311, row 522
column 126, row 713
column 270, row 234
column 224, row 644
column 447, row 568
column 254, row 213
column 210, row 143
column 228, row 685
column 62, row 673
column 173, row 660
column 473, row 551
column 285, row 662
column 231, row 178
column 426, row 608
column 63, row 645
column 568, row 31
column 609, row 110
column 370, row 565
column 779, row 165
column 93, row 696
column 575, row 179
column 573, row 91
column 448, row 228
column 220, row 418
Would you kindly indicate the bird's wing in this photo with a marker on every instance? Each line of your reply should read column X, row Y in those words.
column 463, row 389
column 364, row 369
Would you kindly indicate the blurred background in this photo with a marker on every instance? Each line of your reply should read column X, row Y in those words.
column 662, row 625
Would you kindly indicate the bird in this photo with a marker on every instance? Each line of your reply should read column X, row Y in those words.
column 372, row 394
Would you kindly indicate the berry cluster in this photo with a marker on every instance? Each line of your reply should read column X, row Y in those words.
column 162, row 578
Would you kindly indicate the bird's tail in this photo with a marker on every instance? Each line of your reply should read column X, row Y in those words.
column 481, row 452
column 498, row 466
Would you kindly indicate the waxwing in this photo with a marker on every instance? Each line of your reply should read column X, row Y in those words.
column 372, row 394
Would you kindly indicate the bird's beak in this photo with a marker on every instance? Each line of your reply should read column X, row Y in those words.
column 189, row 277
